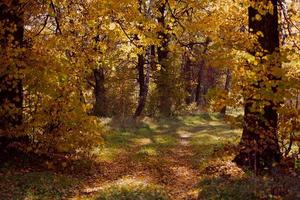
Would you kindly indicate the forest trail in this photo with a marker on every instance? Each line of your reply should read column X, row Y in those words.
column 168, row 155
column 173, row 170
column 156, row 159
column 185, row 176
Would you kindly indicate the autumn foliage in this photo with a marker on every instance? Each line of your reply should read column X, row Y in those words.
column 65, row 64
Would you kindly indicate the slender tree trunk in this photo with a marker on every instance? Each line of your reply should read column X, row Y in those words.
column 227, row 88
column 100, row 106
column 143, row 83
column 11, row 89
column 188, row 76
column 259, row 142
column 200, row 85
column 143, row 79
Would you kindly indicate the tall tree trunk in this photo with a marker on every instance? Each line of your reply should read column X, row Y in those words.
column 200, row 85
column 165, row 102
column 259, row 142
column 100, row 106
column 188, row 76
column 200, row 100
column 11, row 89
column 143, row 80
column 227, row 88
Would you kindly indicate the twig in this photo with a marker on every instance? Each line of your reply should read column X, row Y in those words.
column 56, row 18
column 126, row 34
column 44, row 25
column 289, row 22
column 174, row 16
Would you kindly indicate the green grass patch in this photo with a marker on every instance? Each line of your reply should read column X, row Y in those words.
column 132, row 190
column 148, row 142
column 250, row 187
column 37, row 185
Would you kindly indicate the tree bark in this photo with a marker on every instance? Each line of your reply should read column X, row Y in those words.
column 11, row 88
column 259, row 142
column 200, row 86
column 188, row 76
column 227, row 88
column 165, row 101
column 143, row 81
column 100, row 106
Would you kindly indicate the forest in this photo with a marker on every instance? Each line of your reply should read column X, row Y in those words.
column 149, row 99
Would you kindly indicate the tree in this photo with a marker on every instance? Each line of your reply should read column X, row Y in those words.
column 144, row 77
column 11, row 42
column 163, row 82
column 259, row 142
column 226, row 88
column 188, row 76
column 100, row 105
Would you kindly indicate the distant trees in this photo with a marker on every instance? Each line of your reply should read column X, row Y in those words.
column 144, row 58
column 168, row 63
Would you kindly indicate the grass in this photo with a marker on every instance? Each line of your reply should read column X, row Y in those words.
column 154, row 137
column 129, row 189
column 152, row 159
column 150, row 143
column 149, row 138
column 37, row 185
column 250, row 187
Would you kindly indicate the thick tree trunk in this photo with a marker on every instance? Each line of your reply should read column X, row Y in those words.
column 200, row 88
column 11, row 89
column 206, row 81
column 165, row 102
column 259, row 143
column 100, row 106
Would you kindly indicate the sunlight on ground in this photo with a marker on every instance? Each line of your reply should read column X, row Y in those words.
column 184, row 134
column 129, row 189
column 142, row 141
column 147, row 151
column 147, row 160
column 107, row 154
column 155, row 159
column 164, row 140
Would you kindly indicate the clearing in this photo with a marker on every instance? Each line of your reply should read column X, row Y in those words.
column 181, row 158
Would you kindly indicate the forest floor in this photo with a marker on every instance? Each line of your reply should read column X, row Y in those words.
column 181, row 158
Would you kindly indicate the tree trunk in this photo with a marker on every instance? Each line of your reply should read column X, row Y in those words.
column 200, row 90
column 11, row 89
column 100, row 106
column 165, row 102
column 188, row 76
column 227, row 87
column 259, row 142
column 200, row 85
column 143, row 80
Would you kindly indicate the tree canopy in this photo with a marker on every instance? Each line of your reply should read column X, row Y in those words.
column 66, row 66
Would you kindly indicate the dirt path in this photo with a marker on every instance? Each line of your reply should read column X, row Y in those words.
column 166, row 153
column 185, row 177
column 173, row 170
